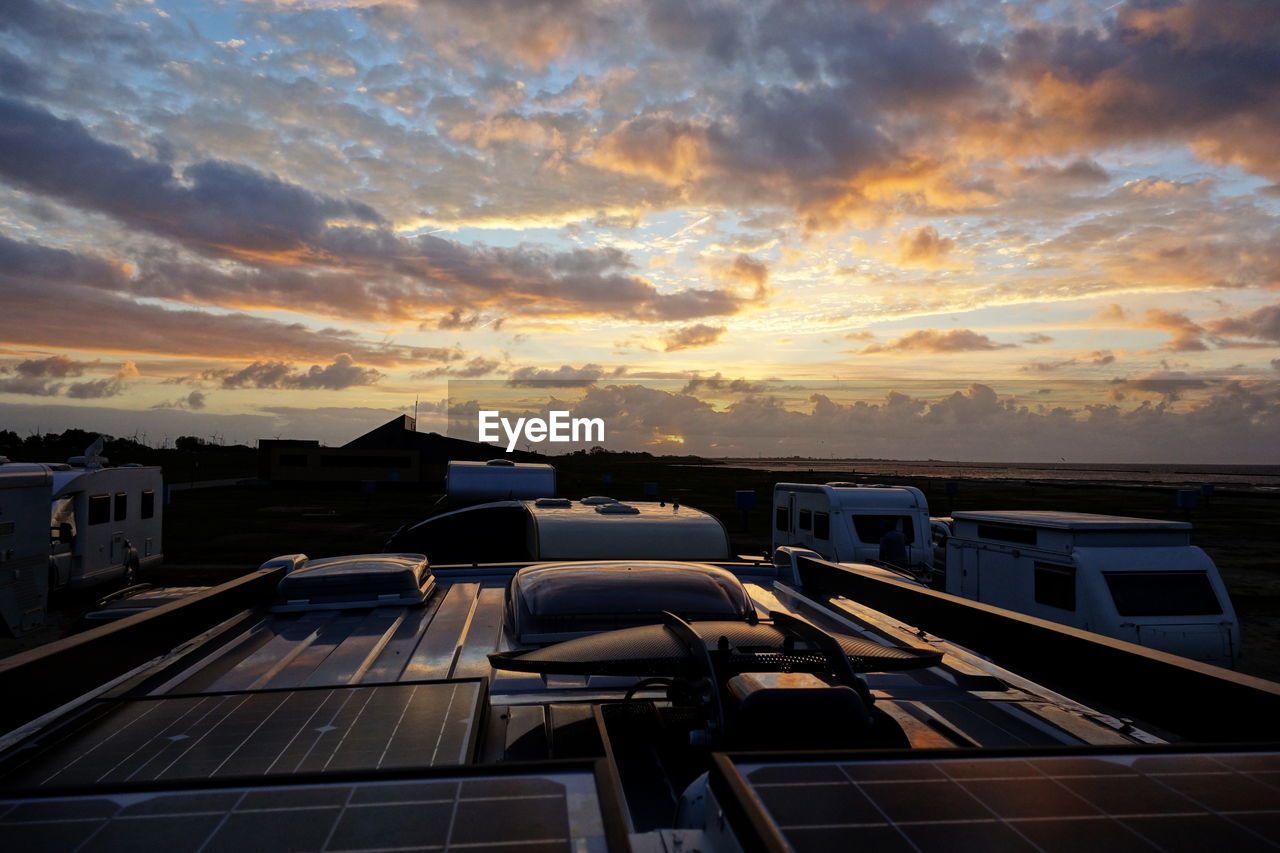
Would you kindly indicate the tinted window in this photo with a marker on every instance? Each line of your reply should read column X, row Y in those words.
column 806, row 520
column 99, row 509
column 821, row 525
column 6, row 528
column 871, row 527
column 1056, row 586
column 781, row 517
column 148, row 508
column 122, row 506
column 1163, row 594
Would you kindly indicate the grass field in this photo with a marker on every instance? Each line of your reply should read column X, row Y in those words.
column 214, row 534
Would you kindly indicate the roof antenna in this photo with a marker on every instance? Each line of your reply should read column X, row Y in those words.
column 415, row 412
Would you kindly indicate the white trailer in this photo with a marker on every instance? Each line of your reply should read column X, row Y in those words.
column 105, row 523
column 594, row 528
column 24, row 544
column 849, row 523
column 499, row 479
column 1135, row 579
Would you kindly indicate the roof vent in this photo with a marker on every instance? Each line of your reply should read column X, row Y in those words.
column 553, row 502
column 358, row 581
column 551, row 602
column 617, row 509
column 597, row 500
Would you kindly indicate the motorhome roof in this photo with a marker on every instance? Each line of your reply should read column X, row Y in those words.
column 18, row 474
column 855, row 495
column 648, row 529
column 1068, row 520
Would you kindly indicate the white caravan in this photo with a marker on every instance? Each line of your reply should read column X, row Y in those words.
column 1135, row 579
column 845, row 522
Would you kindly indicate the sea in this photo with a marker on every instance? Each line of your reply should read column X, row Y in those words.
column 1259, row 477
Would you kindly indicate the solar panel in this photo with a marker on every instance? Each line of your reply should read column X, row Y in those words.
column 264, row 733
column 546, row 811
column 1111, row 801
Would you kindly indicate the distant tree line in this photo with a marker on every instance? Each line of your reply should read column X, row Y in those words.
column 60, row 446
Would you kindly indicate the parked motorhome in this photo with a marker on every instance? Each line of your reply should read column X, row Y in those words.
column 1136, row 579
column 95, row 525
column 596, row 527
column 24, row 544
column 847, row 523
column 499, row 479
column 105, row 523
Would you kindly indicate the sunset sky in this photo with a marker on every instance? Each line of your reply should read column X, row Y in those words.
column 260, row 218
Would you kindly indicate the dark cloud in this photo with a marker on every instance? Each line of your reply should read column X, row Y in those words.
column 40, row 283
column 470, row 369
column 1037, row 338
column 691, row 337
column 719, row 384
column 1206, row 71
column 298, row 251
column 1263, row 324
column 342, row 373
column 213, row 204
column 58, row 366
column 936, row 340
column 195, row 401
column 564, row 376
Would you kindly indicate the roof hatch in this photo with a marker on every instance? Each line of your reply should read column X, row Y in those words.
column 359, row 581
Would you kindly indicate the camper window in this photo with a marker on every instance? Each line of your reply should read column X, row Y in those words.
column 99, row 509
column 871, row 527
column 821, row 525
column 806, row 519
column 781, row 518
column 1056, row 586
column 148, row 508
column 1163, row 594
column 122, row 506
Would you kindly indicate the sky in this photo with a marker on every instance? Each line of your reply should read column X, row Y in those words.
column 291, row 218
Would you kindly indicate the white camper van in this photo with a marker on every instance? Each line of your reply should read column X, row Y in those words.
column 846, row 522
column 1135, row 579
column 594, row 528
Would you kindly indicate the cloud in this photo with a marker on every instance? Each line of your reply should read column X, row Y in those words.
column 112, row 386
column 564, row 376
column 342, row 373
column 214, row 205
column 305, row 250
column 1037, row 338
column 924, row 247
column 1263, row 324
column 195, row 401
column 472, row 368
column 938, row 341
column 36, row 377
column 691, row 337
column 1185, row 334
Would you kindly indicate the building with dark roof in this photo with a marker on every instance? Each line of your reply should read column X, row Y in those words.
column 392, row 453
